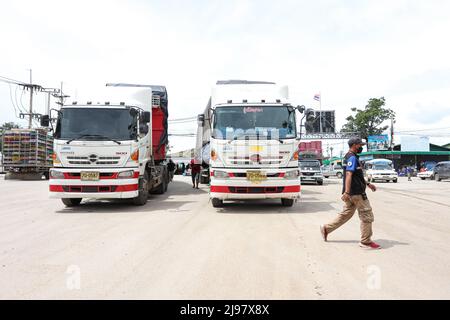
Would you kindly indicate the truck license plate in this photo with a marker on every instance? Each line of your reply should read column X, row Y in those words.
column 89, row 176
column 256, row 176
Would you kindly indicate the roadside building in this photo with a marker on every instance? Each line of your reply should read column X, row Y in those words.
column 409, row 158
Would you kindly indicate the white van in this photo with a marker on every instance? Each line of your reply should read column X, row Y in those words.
column 381, row 170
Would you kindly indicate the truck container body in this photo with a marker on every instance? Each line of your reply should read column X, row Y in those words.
column 250, row 130
column 112, row 150
column 27, row 151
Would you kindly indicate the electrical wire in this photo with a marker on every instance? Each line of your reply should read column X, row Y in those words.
column 12, row 101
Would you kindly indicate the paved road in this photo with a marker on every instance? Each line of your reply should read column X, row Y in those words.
column 179, row 247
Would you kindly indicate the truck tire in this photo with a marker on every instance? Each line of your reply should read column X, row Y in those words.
column 217, row 203
column 287, row 202
column 339, row 175
column 320, row 182
column 142, row 197
column 71, row 202
column 437, row 177
column 161, row 188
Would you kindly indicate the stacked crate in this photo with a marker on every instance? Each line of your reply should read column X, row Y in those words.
column 27, row 150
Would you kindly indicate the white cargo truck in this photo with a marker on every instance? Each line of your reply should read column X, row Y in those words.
column 250, row 129
column 111, row 150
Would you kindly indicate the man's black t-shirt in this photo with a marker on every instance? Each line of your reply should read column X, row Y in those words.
column 351, row 163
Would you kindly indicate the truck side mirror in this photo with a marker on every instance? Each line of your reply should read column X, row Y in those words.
column 201, row 120
column 143, row 128
column 309, row 115
column 45, row 120
column 145, row 117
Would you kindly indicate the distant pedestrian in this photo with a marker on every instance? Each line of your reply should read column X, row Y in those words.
column 171, row 166
column 409, row 173
column 354, row 197
column 195, row 173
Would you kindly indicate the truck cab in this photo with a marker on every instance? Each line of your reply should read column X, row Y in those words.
column 109, row 151
column 250, row 130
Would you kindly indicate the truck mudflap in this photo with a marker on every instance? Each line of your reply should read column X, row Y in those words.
column 108, row 186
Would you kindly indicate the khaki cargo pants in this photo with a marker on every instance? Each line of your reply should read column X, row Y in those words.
column 365, row 215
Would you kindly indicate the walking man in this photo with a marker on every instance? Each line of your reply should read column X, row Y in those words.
column 195, row 173
column 354, row 197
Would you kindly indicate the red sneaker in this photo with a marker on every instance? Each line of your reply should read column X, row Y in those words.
column 370, row 246
column 324, row 233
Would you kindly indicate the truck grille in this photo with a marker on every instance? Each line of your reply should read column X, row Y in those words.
column 93, row 160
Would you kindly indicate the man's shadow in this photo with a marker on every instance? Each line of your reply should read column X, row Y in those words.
column 384, row 243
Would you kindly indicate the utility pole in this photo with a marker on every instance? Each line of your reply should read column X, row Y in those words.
column 30, row 117
column 392, row 134
column 61, row 95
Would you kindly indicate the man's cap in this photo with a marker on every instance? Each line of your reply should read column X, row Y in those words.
column 355, row 140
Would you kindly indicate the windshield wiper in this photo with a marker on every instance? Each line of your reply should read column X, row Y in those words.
column 92, row 135
column 257, row 135
column 238, row 136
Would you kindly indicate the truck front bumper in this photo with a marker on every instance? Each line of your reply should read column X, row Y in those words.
column 228, row 189
column 107, row 187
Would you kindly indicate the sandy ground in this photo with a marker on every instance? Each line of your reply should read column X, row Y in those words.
column 179, row 247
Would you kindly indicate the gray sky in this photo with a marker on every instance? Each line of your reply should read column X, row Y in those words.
column 350, row 51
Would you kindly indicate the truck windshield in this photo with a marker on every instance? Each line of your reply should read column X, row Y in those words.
column 264, row 122
column 95, row 123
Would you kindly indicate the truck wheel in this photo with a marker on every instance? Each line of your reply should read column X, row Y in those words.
column 326, row 177
column 142, row 197
column 161, row 188
column 339, row 175
column 395, row 180
column 320, row 182
column 287, row 202
column 436, row 177
column 71, row 202
column 217, row 203
column 422, row 178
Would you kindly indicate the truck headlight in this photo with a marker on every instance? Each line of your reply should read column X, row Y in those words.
column 293, row 174
column 56, row 174
column 220, row 174
column 126, row 174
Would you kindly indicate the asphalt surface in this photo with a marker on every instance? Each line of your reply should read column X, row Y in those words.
column 179, row 247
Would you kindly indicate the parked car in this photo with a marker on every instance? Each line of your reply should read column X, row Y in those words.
column 381, row 170
column 332, row 171
column 428, row 171
column 442, row 171
column 310, row 171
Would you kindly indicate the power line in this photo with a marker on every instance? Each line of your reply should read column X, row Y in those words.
column 415, row 130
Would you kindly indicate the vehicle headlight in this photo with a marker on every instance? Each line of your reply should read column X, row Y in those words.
column 220, row 174
column 294, row 174
column 56, row 174
column 126, row 174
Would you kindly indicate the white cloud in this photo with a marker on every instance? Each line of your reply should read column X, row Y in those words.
column 350, row 51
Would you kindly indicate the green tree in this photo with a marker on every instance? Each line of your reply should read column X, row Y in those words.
column 10, row 125
column 7, row 126
column 369, row 121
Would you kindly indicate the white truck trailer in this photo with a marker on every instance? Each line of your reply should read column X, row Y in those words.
column 111, row 150
column 250, row 130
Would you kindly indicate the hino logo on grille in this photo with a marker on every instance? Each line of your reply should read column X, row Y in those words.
column 93, row 158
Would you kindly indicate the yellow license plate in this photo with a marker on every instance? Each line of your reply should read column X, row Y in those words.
column 256, row 176
column 90, row 176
